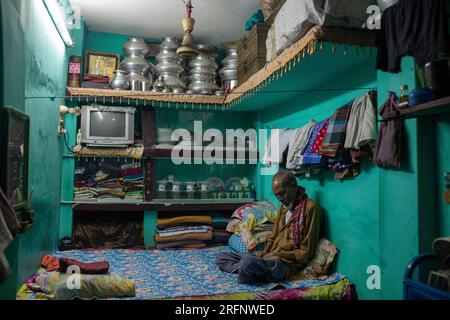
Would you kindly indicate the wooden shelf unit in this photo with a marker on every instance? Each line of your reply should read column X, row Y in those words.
column 275, row 69
column 167, row 206
column 166, row 153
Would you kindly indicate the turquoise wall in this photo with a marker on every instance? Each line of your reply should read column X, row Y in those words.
column 443, row 165
column 351, row 206
column 383, row 217
column 36, row 65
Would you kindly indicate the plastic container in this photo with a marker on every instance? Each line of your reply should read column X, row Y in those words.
column 419, row 96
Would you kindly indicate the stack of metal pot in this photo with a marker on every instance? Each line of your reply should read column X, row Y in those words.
column 169, row 67
column 135, row 73
column 228, row 73
column 203, row 71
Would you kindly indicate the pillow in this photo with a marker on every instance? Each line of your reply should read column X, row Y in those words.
column 236, row 244
column 262, row 211
column 55, row 284
column 323, row 259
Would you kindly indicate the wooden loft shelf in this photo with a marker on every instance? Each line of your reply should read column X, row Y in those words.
column 307, row 45
column 125, row 95
column 435, row 107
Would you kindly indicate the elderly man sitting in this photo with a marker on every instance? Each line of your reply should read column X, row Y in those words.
column 292, row 244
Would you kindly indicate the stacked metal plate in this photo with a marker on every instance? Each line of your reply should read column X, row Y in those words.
column 140, row 72
column 228, row 73
column 203, row 71
column 170, row 65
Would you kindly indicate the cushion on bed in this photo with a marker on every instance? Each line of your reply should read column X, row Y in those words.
column 236, row 244
column 263, row 211
column 62, row 286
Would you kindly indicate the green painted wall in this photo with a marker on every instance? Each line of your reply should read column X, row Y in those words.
column 13, row 93
column 352, row 206
column 35, row 66
column 442, row 165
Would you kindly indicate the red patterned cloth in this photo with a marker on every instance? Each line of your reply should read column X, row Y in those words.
column 319, row 139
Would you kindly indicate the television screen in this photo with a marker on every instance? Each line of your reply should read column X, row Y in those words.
column 107, row 124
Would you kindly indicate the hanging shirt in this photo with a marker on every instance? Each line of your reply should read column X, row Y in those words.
column 277, row 145
column 298, row 144
column 412, row 27
column 362, row 124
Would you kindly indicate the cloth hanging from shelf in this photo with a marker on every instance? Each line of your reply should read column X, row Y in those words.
column 277, row 145
column 310, row 156
column 412, row 27
column 337, row 128
column 298, row 144
column 362, row 124
column 387, row 151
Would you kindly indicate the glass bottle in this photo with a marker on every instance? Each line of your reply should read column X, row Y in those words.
column 404, row 93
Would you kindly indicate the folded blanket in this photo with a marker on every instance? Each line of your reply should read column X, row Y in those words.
column 166, row 222
column 181, row 244
column 184, row 228
column 189, row 236
column 178, row 233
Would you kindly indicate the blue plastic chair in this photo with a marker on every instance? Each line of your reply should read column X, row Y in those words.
column 415, row 290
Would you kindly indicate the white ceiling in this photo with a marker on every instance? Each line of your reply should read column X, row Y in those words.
column 216, row 20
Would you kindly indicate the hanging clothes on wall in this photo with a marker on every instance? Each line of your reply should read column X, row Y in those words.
column 314, row 143
column 362, row 124
column 412, row 27
column 336, row 132
column 277, row 145
column 298, row 144
column 387, row 151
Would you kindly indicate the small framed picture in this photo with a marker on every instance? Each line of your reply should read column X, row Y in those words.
column 101, row 63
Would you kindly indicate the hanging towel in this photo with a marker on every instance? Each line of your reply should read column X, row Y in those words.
column 389, row 144
column 336, row 131
column 298, row 144
column 362, row 124
column 310, row 156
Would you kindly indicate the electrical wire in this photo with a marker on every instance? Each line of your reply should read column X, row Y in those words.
column 66, row 136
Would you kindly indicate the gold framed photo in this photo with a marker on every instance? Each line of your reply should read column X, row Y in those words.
column 101, row 63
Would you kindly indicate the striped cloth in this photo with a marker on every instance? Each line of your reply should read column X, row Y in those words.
column 337, row 128
column 184, row 228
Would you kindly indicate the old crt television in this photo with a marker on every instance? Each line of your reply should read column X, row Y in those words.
column 104, row 126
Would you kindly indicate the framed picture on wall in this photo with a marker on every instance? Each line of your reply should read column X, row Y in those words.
column 101, row 63
column 14, row 131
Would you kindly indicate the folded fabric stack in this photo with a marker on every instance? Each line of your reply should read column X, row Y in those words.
column 183, row 232
column 108, row 182
column 337, row 144
column 220, row 234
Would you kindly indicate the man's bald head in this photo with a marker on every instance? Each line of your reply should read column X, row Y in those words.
column 284, row 186
column 286, row 179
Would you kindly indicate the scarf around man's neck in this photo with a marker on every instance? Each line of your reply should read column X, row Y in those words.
column 298, row 217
